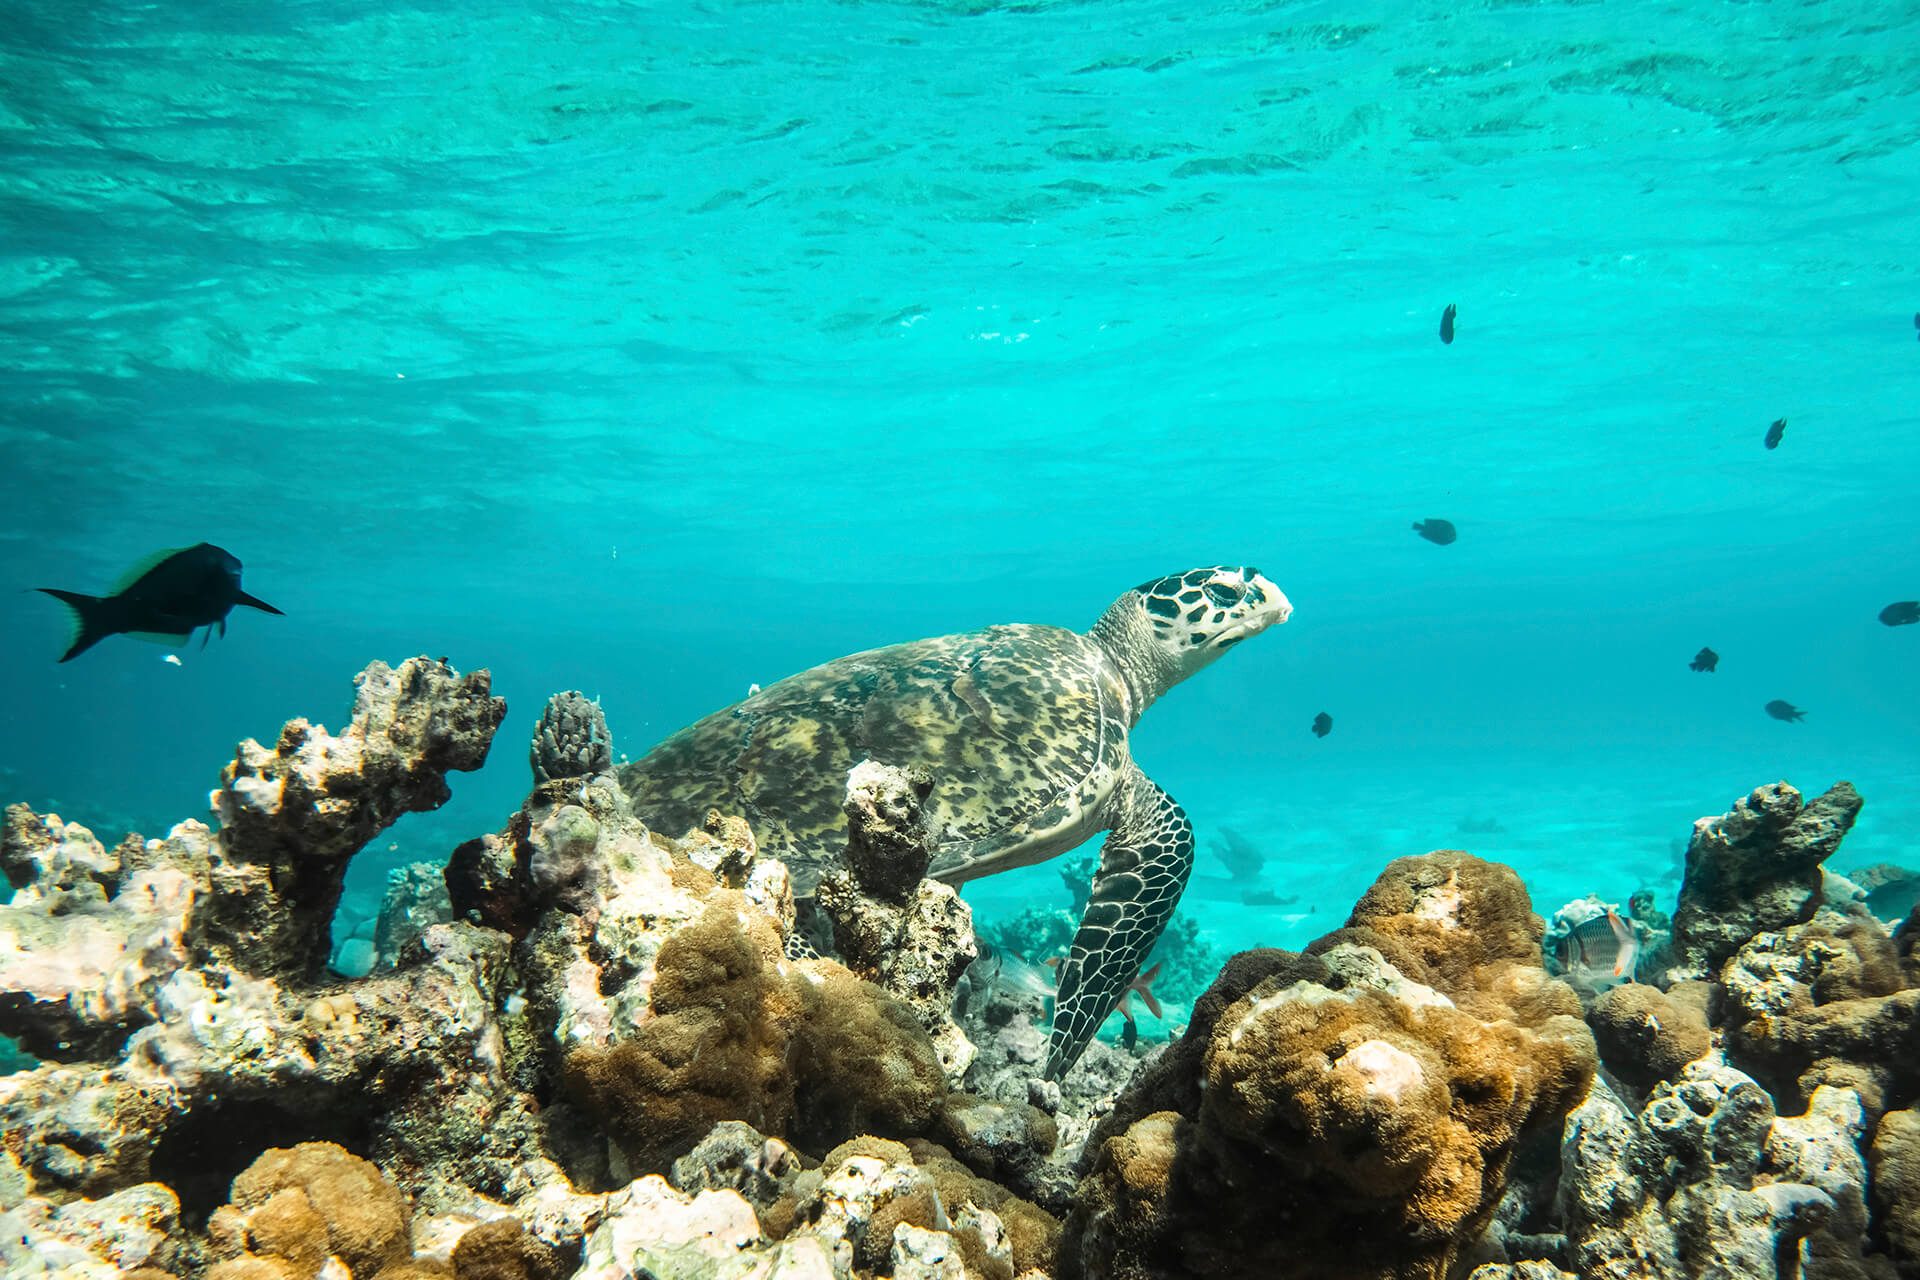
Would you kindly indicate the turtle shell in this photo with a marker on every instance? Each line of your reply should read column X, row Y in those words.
column 1022, row 728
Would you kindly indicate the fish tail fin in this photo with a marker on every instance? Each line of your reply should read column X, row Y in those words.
column 1626, row 961
column 241, row 597
column 93, row 620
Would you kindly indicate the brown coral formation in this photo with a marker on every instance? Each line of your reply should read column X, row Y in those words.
column 1401, row 1061
column 1645, row 1034
column 807, row 1051
column 1896, row 1187
column 299, row 1206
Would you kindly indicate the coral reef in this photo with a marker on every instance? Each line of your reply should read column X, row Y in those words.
column 129, row 969
column 1401, row 1060
column 1706, row 1181
column 1788, row 1024
column 1647, row 1035
column 1896, row 1187
column 1753, row 869
column 91, row 934
column 908, row 935
column 571, row 740
column 1827, row 1002
column 133, row 1232
column 603, row 1053
column 291, row 818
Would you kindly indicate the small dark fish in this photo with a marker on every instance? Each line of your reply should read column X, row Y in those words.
column 1783, row 710
column 164, row 598
column 1705, row 660
column 1599, row 952
column 1446, row 322
column 1129, row 1035
column 1774, row 432
column 1901, row 613
column 1916, row 322
column 1322, row 725
column 1435, row 530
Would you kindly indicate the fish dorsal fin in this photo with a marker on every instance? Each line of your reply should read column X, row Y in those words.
column 141, row 570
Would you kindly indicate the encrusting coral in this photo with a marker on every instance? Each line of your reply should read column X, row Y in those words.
column 169, row 1043
column 1706, row 1181
column 292, row 818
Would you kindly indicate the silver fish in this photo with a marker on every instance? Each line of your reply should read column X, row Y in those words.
column 1598, row 953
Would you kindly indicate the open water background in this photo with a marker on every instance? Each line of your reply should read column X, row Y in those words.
column 658, row 349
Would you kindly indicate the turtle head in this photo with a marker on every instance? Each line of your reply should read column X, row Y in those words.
column 1163, row 631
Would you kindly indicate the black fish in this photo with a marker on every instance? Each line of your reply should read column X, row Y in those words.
column 1705, row 660
column 1322, row 725
column 165, row 598
column 1782, row 710
column 1446, row 323
column 1130, row 1034
column 1901, row 613
column 1916, row 322
column 1774, row 432
column 1433, row 530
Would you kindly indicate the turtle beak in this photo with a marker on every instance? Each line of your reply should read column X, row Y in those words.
column 1276, row 610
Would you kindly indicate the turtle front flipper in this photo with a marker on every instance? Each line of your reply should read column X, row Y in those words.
column 1143, row 869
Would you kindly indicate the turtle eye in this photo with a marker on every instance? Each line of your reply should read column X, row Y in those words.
column 1222, row 594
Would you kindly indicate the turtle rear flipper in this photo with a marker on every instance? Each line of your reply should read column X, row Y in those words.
column 1144, row 867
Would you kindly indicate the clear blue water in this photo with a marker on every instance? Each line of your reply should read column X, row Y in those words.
column 658, row 349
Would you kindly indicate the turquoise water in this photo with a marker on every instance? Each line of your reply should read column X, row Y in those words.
column 656, row 350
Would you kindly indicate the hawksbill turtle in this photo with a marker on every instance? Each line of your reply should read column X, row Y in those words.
column 1024, row 731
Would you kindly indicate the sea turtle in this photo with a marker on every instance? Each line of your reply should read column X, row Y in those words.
column 1024, row 730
